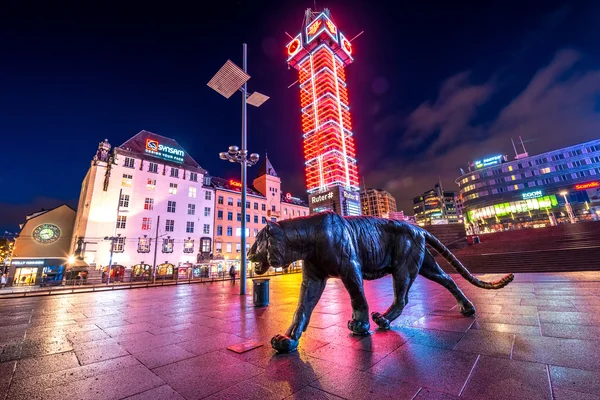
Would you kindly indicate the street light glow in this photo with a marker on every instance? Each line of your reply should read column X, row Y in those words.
column 564, row 193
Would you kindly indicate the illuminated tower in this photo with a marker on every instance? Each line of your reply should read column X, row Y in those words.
column 319, row 53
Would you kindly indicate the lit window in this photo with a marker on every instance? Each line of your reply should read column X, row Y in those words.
column 238, row 232
column 510, row 168
column 167, row 245
column 228, row 248
column 121, row 221
column 146, row 223
column 148, row 204
column 170, row 225
column 126, row 180
column 153, row 167
column 144, row 245
column 512, row 177
column 545, row 170
column 255, row 232
column 129, row 162
column 205, row 242
column 218, row 247
column 192, row 192
column 230, row 201
column 124, row 201
column 150, row 184
column 188, row 246
column 119, row 245
column 516, row 187
column 208, row 195
column 171, row 206
column 191, row 209
column 189, row 227
column 285, row 211
column 206, row 229
column 172, row 188
column 238, row 246
column 207, row 211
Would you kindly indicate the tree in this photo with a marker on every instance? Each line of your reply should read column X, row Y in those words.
column 6, row 249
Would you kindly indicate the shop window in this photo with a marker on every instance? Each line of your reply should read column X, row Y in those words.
column 167, row 246
column 144, row 245
column 127, row 179
column 188, row 246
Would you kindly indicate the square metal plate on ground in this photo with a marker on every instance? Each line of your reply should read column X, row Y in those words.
column 244, row 347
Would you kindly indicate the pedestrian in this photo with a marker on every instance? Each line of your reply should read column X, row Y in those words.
column 232, row 274
column 4, row 280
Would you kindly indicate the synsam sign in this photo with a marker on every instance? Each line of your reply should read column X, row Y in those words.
column 165, row 152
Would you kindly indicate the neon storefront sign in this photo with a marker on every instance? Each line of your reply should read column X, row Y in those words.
column 165, row 152
column 532, row 195
column 234, row 183
column 587, row 185
column 486, row 162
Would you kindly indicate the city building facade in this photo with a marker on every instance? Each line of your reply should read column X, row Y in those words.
column 265, row 202
column 320, row 52
column 377, row 202
column 435, row 207
column 145, row 205
column 532, row 191
column 43, row 247
column 399, row 216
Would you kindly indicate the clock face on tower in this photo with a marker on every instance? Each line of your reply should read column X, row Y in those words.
column 46, row 233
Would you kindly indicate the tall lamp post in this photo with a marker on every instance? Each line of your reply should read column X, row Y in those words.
column 228, row 80
column 564, row 194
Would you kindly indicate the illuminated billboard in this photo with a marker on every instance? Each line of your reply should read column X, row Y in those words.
column 487, row 162
column 154, row 148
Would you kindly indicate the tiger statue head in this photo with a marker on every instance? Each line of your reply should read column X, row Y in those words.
column 269, row 249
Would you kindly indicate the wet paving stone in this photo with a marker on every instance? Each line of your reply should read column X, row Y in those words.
column 537, row 337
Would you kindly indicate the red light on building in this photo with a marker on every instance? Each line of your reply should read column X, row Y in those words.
column 320, row 55
column 234, row 183
column 587, row 185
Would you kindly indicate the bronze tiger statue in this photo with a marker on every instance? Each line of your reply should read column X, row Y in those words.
column 353, row 249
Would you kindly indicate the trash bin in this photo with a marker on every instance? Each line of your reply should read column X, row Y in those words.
column 261, row 292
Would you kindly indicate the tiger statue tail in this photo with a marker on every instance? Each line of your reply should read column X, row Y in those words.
column 464, row 272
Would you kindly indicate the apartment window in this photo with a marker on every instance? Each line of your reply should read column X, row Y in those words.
column 119, row 245
column 148, row 203
column 219, row 230
column 594, row 160
column 207, row 195
column 239, row 217
column 220, row 200
column 171, row 206
column 263, row 207
column 194, row 176
column 172, row 188
column 256, row 206
column 189, row 227
column 230, row 201
column 294, row 213
column 272, row 208
column 207, row 211
column 248, row 204
column 561, row 167
column 153, row 167
column 228, row 248
column 218, row 247
column 146, row 223
column 239, row 203
column 167, row 246
column 574, row 153
column 188, row 246
column 129, row 162
column 255, row 232
column 205, row 242
column 273, row 219
column 247, row 217
column 229, row 231
column 579, row 174
column 191, row 209
column 219, row 214
column 170, row 225
column 121, row 221
column 192, row 192
column 124, row 201
column 545, row 170
column 144, row 245
column 229, row 216
column 304, row 213
column 150, row 184
column 557, row 157
column 547, row 181
column 256, row 219
column 206, row 229
column 576, row 163
column 264, row 220
column 126, row 180
column 238, row 246
column 285, row 211
column 174, row 172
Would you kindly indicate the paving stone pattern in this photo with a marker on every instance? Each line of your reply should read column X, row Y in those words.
column 539, row 338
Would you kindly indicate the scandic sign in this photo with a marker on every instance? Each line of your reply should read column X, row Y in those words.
column 588, row 185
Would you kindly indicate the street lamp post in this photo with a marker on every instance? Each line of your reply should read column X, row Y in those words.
column 568, row 206
column 228, row 80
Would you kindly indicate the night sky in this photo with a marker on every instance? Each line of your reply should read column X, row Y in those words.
column 434, row 85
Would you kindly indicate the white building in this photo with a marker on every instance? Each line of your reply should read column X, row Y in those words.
column 163, row 193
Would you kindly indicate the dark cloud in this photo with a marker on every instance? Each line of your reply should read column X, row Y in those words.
column 557, row 107
column 14, row 214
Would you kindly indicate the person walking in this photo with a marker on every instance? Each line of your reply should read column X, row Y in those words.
column 232, row 274
column 4, row 280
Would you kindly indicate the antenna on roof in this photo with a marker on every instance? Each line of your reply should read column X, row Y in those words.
column 523, row 144
column 524, row 154
column 514, row 147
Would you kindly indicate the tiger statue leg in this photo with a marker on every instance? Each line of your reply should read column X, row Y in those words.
column 310, row 293
column 432, row 271
column 353, row 281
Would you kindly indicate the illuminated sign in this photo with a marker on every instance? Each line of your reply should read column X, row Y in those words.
column 165, row 152
column 331, row 27
column 532, row 195
column 323, row 197
column 27, row 262
column 288, row 196
column 234, row 183
column 317, row 26
column 312, row 29
column 294, row 46
column 587, row 185
column 346, row 45
column 351, row 196
column 488, row 161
